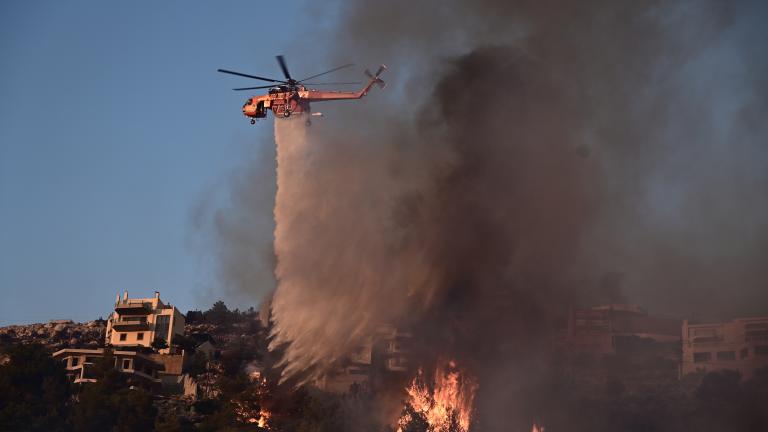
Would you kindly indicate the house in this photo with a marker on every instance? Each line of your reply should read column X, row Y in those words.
column 80, row 363
column 132, row 328
column 206, row 348
column 141, row 321
column 375, row 360
column 607, row 329
column 740, row 345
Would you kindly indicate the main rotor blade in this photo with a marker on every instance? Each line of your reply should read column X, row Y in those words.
column 333, row 83
column 254, row 88
column 281, row 62
column 327, row 72
column 249, row 76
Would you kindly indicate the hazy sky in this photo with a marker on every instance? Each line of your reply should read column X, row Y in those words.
column 114, row 126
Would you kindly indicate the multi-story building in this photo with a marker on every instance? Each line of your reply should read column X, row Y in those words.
column 393, row 346
column 141, row 321
column 606, row 329
column 378, row 357
column 740, row 345
column 79, row 364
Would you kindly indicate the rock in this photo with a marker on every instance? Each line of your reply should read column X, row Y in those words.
column 60, row 328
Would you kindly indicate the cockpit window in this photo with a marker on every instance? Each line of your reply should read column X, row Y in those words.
column 248, row 102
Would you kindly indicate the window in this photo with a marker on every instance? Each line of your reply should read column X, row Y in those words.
column 122, row 337
column 139, row 336
column 705, row 333
column 161, row 326
column 701, row 357
column 753, row 326
column 75, row 361
column 726, row 355
column 126, row 364
column 744, row 353
column 761, row 350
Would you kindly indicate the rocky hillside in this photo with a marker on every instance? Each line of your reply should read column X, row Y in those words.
column 56, row 334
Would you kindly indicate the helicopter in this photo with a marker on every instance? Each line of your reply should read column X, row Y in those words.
column 292, row 97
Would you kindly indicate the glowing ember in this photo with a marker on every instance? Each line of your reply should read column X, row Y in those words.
column 447, row 406
column 248, row 410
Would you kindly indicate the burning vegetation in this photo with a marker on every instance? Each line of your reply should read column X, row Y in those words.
column 444, row 405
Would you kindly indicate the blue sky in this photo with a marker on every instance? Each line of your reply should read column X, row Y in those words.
column 114, row 125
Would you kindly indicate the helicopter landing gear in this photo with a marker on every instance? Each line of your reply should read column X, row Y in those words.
column 253, row 121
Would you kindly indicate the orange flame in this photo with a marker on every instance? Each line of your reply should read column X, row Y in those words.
column 246, row 410
column 451, row 401
column 264, row 416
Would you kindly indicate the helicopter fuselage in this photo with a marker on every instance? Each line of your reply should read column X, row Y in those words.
column 286, row 101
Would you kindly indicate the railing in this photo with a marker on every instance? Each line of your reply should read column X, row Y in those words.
column 137, row 306
column 130, row 320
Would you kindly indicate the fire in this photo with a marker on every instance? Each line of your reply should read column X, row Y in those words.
column 448, row 406
column 245, row 414
column 246, row 409
column 263, row 421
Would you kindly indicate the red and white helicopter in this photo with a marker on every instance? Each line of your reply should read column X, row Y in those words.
column 292, row 97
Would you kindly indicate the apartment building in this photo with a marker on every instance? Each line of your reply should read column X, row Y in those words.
column 141, row 321
column 374, row 360
column 740, row 345
column 607, row 329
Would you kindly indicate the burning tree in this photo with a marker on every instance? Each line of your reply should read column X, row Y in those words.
column 444, row 406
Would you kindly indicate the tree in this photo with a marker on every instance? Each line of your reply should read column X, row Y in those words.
column 135, row 411
column 159, row 343
column 109, row 404
column 197, row 365
column 309, row 411
column 186, row 343
column 173, row 423
column 218, row 314
column 34, row 391
column 415, row 421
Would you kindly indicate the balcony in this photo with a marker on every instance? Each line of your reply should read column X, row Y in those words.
column 130, row 323
column 131, row 307
column 714, row 339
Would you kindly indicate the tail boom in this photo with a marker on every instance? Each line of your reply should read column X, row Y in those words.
column 317, row 96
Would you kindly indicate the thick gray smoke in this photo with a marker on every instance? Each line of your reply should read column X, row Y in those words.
column 527, row 150
column 662, row 97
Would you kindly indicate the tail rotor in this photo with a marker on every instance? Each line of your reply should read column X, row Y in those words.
column 375, row 77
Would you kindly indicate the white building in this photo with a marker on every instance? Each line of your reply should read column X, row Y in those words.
column 139, row 322
column 740, row 345
column 79, row 364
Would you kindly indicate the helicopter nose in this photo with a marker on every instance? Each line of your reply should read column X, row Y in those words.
column 249, row 110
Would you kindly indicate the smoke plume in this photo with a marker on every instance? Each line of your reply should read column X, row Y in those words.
column 528, row 151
